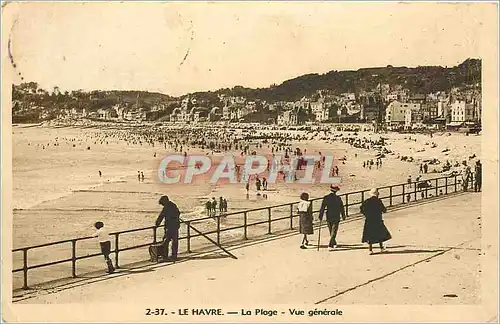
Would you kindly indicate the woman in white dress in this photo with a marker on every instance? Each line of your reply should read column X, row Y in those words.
column 304, row 208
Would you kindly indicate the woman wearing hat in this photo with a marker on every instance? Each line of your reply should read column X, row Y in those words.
column 374, row 230
column 306, row 219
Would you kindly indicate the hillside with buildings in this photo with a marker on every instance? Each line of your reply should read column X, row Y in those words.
column 397, row 97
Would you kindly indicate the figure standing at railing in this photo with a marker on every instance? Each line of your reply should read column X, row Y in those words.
column 306, row 219
column 171, row 214
column 334, row 208
column 105, row 242
column 374, row 230
column 466, row 175
column 478, row 176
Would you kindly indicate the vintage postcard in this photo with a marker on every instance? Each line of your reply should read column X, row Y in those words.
column 249, row 161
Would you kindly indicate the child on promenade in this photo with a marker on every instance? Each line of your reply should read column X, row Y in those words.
column 105, row 242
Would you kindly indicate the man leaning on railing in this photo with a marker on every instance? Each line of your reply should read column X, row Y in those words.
column 171, row 214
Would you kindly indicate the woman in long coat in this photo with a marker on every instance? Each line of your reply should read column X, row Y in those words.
column 374, row 230
column 306, row 218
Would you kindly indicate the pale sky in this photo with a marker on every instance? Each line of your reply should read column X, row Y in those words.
column 140, row 46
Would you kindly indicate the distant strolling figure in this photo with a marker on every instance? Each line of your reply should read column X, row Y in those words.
column 221, row 205
column 105, row 242
column 224, row 205
column 142, row 176
column 139, row 176
column 306, row 218
column 264, row 183
column 100, row 173
column 334, row 208
column 247, row 186
column 374, row 230
column 214, row 206
column 478, row 176
column 208, row 207
column 257, row 184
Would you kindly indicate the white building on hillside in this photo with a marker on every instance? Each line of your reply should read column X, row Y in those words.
column 396, row 111
column 461, row 112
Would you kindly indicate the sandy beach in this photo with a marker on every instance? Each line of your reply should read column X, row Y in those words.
column 55, row 169
column 58, row 192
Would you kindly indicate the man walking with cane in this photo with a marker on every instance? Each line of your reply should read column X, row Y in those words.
column 334, row 208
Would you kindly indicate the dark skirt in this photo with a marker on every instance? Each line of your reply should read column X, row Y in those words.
column 375, row 232
column 306, row 223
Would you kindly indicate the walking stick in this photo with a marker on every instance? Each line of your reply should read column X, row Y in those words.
column 319, row 234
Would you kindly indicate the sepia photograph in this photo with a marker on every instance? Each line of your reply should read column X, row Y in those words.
column 249, row 161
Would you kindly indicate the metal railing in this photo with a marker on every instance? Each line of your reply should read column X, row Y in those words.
column 396, row 194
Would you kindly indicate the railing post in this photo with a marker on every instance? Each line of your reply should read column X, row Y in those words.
column 188, row 236
column 154, row 234
column 269, row 220
column 455, row 183
column 116, row 251
column 25, row 268
column 437, row 184
column 218, row 229
column 415, row 191
column 73, row 258
column 446, row 185
column 346, row 204
column 362, row 196
column 291, row 216
column 245, row 236
column 403, row 193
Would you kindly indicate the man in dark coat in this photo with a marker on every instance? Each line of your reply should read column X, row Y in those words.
column 171, row 214
column 334, row 208
column 477, row 176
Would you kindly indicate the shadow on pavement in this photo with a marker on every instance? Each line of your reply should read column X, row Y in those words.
column 348, row 247
column 211, row 256
column 134, row 271
column 407, row 252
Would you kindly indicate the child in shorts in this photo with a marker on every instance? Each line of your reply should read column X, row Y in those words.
column 105, row 242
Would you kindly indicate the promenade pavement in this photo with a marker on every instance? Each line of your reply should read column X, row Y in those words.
column 433, row 259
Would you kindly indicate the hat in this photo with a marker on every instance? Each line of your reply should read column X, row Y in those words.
column 163, row 200
column 374, row 192
column 334, row 187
